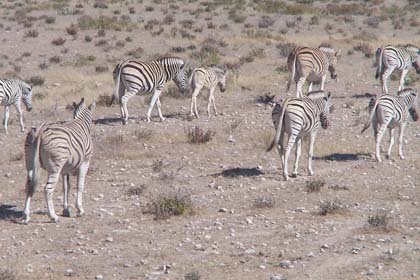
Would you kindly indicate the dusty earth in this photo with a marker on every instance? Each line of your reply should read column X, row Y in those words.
column 227, row 234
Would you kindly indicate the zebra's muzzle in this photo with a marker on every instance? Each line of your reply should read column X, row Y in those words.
column 333, row 76
column 325, row 124
column 415, row 116
column 29, row 109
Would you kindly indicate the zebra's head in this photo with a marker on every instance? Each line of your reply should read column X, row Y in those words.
column 414, row 110
column 324, row 116
column 221, row 77
column 333, row 57
column 83, row 111
column 175, row 70
column 27, row 96
column 416, row 64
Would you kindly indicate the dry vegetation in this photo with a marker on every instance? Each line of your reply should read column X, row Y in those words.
column 160, row 206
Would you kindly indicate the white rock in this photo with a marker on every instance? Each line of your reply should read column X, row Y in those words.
column 68, row 272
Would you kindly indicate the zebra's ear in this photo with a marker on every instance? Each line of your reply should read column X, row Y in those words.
column 74, row 106
column 92, row 106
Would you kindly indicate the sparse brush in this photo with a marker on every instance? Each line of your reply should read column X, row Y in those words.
column 15, row 157
column 196, row 135
column 58, row 42
column 266, row 98
column 372, row 21
column 286, row 48
column 266, row 22
column 264, row 202
column 364, row 48
column 101, row 42
column 136, row 191
column 330, row 207
column 7, row 274
column 72, row 30
column 314, row 185
column 101, row 68
column 50, row 20
column 193, row 275
column 104, row 100
column 117, row 139
column 33, row 33
column 379, row 220
column 88, row 38
column 169, row 204
column 55, row 59
column 143, row 134
column 157, row 165
column 37, row 80
column 137, row 52
column 314, row 20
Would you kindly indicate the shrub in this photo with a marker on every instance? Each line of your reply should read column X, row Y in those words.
column 50, row 20
column 194, row 275
column 72, row 30
column 196, row 135
column 364, row 48
column 6, row 274
column 143, row 134
column 265, row 22
column 37, row 80
column 314, row 20
column 33, row 33
column 137, row 52
column 101, row 68
column 55, row 59
column 372, row 21
column 104, row 100
column 88, row 38
column 157, row 165
column 169, row 204
column 330, row 207
column 58, row 42
column 379, row 220
column 264, row 202
column 286, row 48
column 136, row 191
column 314, row 185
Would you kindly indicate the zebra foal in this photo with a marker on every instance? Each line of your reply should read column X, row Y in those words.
column 312, row 65
column 209, row 78
column 300, row 117
column 136, row 77
column 390, row 111
column 60, row 149
column 12, row 91
column 392, row 58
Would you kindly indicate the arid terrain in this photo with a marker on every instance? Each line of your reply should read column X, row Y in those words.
column 354, row 219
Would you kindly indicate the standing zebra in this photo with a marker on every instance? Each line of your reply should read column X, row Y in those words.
column 390, row 58
column 300, row 117
column 136, row 77
column 389, row 111
column 312, row 65
column 60, row 149
column 209, row 77
column 11, row 92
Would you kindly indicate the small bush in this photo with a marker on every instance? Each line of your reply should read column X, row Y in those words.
column 50, row 20
column 157, row 165
column 72, row 30
column 286, row 48
column 136, row 191
column 143, row 134
column 196, row 135
column 55, row 59
column 33, row 33
column 265, row 22
column 137, row 52
column 101, row 68
column 264, row 202
column 104, row 100
column 330, row 207
column 116, row 139
column 372, row 21
column 364, row 48
column 379, row 220
column 37, row 80
column 314, row 185
column 169, row 204
column 314, row 20
column 58, row 42
column 194, row 275
column 266, row 98
column 88, row 38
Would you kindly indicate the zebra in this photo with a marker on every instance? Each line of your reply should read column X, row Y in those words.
column 209, row 77
column 311, row 64
column 390, row 111
column 300, row 117
column 136, row 77
column 390, row 58
column 61, row 149
column 11, row 92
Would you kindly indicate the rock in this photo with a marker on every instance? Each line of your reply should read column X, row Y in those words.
column 68, row 272
column 277, row 277
column 285, row 264
column 29, row 268
column 99, row 277
column 223, row 210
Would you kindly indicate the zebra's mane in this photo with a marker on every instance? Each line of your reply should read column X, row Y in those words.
column 218, row 68
column 327, row 50
column 316, row 94
column 406, row 92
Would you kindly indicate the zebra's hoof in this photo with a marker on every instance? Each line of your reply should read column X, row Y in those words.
column 294, row 175
column 26, row 221
column 310, row 173
column 162, row 119
column 80, row 213
column 124, row 122
column 402, row 157
column 66, row 212
column 54, row 219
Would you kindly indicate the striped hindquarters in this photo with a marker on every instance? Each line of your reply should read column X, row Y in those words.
column 310, row 60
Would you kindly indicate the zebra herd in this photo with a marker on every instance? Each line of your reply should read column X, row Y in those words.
column 66, row 148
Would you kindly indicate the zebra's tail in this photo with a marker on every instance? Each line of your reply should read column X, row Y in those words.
column 32, row 144
column 379, row 54
column 117, row 78
column 292, row 74
column 279, row 126
column 372, row 113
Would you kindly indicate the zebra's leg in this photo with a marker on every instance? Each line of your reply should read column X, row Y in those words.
column 159, row 109
column 152, row 104
column 312, row 137
column 379, row 135
column 400, row 140
column 310, row 87
column 323, row 79
column 384, row 79
column 297, row 157
column 66, row 188
column 193, row 109
column 6, row 118
column 49, row 190
column 290, row 143
column 20, row 113
column 299, row 87
column 83, row 169
column 124, row 110
column 402, row 79
column 211, row 100
column 27, row 209
column 391, row 142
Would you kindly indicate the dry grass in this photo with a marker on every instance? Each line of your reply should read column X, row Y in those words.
column 264, row 202
column 314, row 185
column 7, row 274
column 331, row 207
column 380, row 220
column 196, row 135
column 169, row 204
column 136, row 191
column 193, row 275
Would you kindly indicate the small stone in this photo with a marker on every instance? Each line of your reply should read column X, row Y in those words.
column 277, row 277
column 249, row 221
column 68, row 272
column 223, row 210
column 284, row 264
column 325, row 246
column 29, row 268
column 99, row 277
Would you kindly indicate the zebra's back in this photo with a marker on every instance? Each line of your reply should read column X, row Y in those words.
column 310, row 59
column 142, row 77
column 204, row 76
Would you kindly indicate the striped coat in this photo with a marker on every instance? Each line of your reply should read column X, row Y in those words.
column 60, row 149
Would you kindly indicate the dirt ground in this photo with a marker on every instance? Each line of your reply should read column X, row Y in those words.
column 245, row 221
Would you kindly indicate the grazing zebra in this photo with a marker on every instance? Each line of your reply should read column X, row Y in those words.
column 312, row 65
column 300, row 117
column 60, row 149
column 11, row 92
column 136, row 77
column 390, row 58
column 389, row 111
column 209, row 77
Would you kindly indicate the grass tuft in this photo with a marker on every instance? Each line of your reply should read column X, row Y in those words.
column 169, row 204
column 196, row 135
column 314, row 185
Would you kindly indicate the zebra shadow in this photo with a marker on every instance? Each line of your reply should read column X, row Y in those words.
column 363, row 95
column 344, row 157
column 239, row 172
column 108, row 120
column 9, row 213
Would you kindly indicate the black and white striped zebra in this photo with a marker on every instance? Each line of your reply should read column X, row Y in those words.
column 390, row 111
column 136, row 77
column 300, row 117
column 60, row 149
column 311, row 64
column 210, row 78
column 392, row 58
column 11, row 92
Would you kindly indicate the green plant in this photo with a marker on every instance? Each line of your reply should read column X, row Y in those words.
column 169, row 204
column 379, row 220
